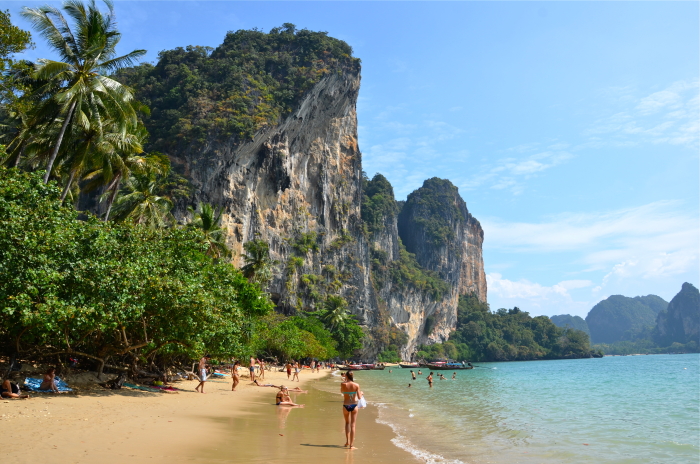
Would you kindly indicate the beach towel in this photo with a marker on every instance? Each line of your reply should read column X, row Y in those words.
column 34, row 384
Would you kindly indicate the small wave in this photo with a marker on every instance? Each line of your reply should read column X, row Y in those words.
column 405, row 444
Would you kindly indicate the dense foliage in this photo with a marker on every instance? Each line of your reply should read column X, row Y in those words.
column 112, row 292
column 378, row 204
column 574, row 322
column 505, row 335
column 248, row 82
column 619, row 318
column 434, row 207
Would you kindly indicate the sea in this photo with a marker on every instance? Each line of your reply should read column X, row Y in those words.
column 616, row 409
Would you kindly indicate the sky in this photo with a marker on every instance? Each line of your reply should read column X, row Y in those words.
column 570, row 128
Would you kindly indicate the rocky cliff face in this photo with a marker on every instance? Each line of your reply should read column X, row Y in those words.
column 680, row 322
column 299, row 187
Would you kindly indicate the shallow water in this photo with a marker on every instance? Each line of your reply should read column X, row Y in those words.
column 632, row 409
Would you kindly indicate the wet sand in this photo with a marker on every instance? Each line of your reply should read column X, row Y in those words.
column 269, row 434
column 220, row 426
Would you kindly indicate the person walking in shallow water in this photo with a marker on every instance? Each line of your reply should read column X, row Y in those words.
column 430, row 380
column 413, row 375
column 351, row 393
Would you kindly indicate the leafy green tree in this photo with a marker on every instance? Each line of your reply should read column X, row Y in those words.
column 206, row 219
column 258, row 264
column 80, row 90
column 12, row 40
column 112, row 292
column 141, row 202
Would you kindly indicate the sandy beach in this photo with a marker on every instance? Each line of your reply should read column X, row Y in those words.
column 220, row 426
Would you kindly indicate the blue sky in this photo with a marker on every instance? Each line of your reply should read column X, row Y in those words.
column 570, row 128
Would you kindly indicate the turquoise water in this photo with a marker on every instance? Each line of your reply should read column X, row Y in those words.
column 632, row 409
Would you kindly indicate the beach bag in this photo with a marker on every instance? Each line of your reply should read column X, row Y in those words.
column 362, row 403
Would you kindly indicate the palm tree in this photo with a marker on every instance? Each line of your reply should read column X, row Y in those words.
column 209, row 222
column 258, row 267
column 140, row 201
column 121, row 154
column 80, row 92
column 335, row 312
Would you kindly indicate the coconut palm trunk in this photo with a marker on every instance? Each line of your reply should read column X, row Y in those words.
column 112, row 196
column 56, row 147
column 66, row 189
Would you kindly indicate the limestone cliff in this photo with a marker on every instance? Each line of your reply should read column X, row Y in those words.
column 296, row 182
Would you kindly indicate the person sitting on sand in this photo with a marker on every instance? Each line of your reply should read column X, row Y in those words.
column 11, row 390
column 202, row 373
column 49, row 382
column 283, row 399
column 430, row 380
column 234, row 375
column 351, row 393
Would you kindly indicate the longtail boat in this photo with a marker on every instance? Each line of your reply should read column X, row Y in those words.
column 446, row 366
column 409, row 365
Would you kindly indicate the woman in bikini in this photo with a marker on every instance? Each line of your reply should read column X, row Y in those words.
column 234, row 375
column 49, row 382
column 296, row 372
column 283, row 399
column 351, row 393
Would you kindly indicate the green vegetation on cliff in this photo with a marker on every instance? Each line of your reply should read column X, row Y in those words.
column 619, row 318
column 434, row 207
column 505, row 335
column 378, row 203
column 680, row 321
column 573, row 322
column 250, row 81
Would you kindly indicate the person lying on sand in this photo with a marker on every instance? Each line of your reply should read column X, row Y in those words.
column 283, row 399
column 11, row 390
column 295, row 389
column 49, row 382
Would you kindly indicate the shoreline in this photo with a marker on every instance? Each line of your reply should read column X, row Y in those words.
column 110, row 426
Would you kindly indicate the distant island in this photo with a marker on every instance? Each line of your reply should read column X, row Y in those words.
column 643, row 324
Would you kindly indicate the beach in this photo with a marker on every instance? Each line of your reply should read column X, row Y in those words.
column 105, row 426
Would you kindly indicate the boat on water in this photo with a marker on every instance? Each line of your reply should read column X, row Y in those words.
column 364, row 367
column 447, row 366
column 409, row 365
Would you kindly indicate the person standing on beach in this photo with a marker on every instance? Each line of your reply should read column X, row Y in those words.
column 351, row 393
column 202, row 372
column 234, row 375
column 261, row 363
column 296, row 372
column 430, row 380
column 289, row 369
column 252, row 369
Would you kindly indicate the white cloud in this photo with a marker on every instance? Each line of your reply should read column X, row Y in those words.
column 667, row 116
column 537, row 298
column 647, row 242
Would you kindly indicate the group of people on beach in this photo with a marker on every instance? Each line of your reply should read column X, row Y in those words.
column 11, row 390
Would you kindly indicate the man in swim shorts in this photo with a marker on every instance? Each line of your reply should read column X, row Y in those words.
column 252, row 369
column 202, row 372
